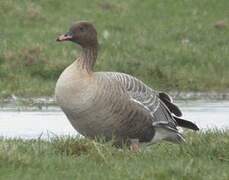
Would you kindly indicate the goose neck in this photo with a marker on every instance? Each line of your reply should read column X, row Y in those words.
column 87, row 58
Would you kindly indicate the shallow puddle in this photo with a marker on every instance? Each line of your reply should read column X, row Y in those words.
column 50, row 121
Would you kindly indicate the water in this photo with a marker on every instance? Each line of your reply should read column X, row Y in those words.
column 30, row 123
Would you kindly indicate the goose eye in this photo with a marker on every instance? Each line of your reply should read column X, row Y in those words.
column 81, row 29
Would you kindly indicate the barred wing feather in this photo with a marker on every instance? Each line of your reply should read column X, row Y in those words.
column 147, row 98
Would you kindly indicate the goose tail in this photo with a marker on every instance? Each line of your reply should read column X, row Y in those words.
column 167, row 100
column 186, row 124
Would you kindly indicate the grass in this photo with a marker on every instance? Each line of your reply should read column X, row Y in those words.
column 204, row 156
column 171, row 45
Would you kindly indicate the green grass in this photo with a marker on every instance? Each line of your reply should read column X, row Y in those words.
column 171, row 45
column 204, row 156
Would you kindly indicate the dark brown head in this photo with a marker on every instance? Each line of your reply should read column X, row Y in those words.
column 82, row 33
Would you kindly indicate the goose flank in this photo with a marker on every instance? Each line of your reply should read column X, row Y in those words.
column 113, row 104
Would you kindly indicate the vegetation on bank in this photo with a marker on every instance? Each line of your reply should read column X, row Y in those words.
column 204, row 156
column 171, row 45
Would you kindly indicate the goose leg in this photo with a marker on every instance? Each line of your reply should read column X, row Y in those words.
column 134, row 145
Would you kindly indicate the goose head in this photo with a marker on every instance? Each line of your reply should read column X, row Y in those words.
column 82, row 33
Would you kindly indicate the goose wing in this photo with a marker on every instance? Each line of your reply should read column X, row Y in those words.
column 160, row 105
column 147, row 98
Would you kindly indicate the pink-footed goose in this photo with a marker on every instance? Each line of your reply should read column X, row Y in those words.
column 113, row 104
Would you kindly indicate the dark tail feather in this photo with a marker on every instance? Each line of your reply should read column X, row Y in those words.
column 172, row 107
column 165, row 96
column 176, row 111
column 186, row 124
